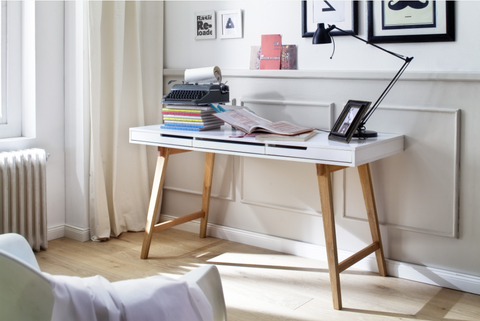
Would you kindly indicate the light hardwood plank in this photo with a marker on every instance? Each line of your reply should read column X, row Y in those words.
column 260, row 284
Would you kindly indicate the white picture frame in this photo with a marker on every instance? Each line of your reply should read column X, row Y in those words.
column 230, row 24
column 205, row 25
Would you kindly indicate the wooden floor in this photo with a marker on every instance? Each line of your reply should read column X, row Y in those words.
column 260, row 284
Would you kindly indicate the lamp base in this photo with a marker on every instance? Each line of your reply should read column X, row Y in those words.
column 364, row 134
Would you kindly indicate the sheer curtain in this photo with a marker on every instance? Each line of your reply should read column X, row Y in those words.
column 125, row 79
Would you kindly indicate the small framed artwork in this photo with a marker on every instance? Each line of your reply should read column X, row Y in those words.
column 411, row 21
column 230, row 24
column 205, row 25
column 343, row 14
column 348, row 121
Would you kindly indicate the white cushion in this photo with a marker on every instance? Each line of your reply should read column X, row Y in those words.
column 153, row 298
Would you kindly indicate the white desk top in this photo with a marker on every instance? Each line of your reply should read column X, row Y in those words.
column 317, row 149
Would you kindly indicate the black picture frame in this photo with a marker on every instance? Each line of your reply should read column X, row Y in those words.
column 437, row 23
column 309, row 26
column 348, row 121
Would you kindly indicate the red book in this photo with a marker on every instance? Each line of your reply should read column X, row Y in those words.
column 271, row 51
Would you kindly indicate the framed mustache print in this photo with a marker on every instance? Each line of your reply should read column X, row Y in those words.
column 411, row 21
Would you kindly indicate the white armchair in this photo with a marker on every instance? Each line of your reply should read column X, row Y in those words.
column 26, row 293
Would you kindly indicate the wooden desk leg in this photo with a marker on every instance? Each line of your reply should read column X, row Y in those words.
column 207, row 188
column 369, row 197
column 155, row 199
column 326, row 198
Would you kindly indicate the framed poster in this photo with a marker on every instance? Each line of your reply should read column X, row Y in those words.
column 411, row 21
column 230, row 24
column 343, row 13
column 205, row 25
column 348, row 121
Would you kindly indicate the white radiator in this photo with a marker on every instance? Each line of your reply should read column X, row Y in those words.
column 23, row 198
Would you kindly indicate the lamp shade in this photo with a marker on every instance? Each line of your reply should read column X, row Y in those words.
column 321, row 35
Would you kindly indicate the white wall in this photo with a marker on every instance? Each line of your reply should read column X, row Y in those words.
column 50, row 111
column 284, row 17
column 76, row 123
column 427, row 205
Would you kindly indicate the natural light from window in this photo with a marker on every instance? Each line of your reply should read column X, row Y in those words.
column 17, row 69
column 2, row 105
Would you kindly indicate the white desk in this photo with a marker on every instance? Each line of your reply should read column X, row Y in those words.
column 329, row 156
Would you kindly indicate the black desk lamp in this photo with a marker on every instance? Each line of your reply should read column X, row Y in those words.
column 322, row 36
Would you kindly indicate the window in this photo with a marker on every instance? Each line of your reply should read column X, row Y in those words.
column 3, row 111
column 17, row 69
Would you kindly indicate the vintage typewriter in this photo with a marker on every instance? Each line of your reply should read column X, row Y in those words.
column 197, row 94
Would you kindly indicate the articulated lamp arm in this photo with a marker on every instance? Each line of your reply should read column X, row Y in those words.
column 322, row 35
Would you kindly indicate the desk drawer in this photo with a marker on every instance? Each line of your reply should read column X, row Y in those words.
column 160, row 139
column 330, row 155
column 230, row 146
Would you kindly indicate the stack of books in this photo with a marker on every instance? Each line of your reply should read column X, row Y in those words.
column 190, row 117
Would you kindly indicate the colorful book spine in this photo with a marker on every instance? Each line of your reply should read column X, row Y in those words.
column 180, row 117
column 181, row 128
column 189, row 107
column 183, row 118
column 182, row 113
column 196, row 128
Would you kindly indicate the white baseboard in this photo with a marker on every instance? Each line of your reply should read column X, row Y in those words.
column 447, row 279
column 408, row 271
column 72, row 232
column 77, row 233
column 55, row 232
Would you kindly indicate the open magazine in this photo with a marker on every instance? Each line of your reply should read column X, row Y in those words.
column 248, row 122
